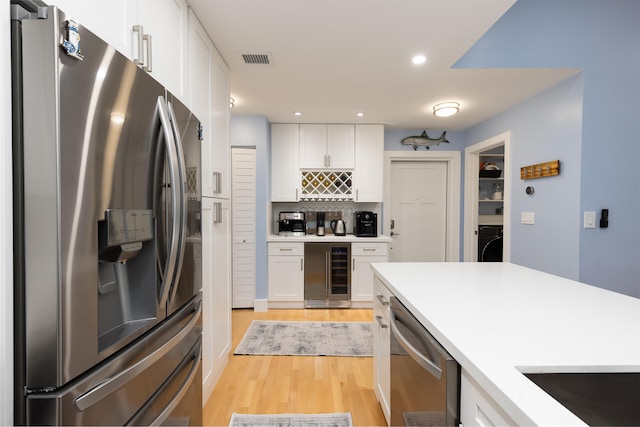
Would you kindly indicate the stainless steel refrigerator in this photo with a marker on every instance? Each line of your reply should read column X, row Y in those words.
column 107, row 237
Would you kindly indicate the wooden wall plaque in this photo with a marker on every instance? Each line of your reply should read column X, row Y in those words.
column 540, row 170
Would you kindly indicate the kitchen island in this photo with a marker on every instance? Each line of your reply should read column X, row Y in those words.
column 500, row 320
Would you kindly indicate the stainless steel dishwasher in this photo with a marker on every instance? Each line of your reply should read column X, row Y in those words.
column 327, row 276
column 425, row 379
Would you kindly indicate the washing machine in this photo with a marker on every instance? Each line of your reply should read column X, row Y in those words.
column 490, row 243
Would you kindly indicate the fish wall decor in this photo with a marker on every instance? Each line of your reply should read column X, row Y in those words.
column 424, row 140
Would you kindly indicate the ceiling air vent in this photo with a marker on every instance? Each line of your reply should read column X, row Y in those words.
column 256, row 58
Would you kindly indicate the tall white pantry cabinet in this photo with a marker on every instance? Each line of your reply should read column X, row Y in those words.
column 185, row 60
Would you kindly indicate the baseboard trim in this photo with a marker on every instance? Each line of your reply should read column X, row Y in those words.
column 260, row 305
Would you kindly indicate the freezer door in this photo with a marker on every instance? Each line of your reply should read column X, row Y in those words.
column 157, row 381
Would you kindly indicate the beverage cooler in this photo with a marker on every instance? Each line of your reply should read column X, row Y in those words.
column 327, row 276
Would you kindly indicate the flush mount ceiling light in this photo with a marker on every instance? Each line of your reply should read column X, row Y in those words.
column 360, row 114
column 297, row 113
column 446, row 109
column 419, row 59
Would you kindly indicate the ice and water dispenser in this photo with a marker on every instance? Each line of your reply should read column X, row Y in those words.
column 127, row 280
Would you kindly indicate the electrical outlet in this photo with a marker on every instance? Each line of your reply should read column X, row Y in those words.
column 589, row 220
column 528, row 218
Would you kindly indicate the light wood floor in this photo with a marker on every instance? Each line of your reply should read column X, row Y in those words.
column 295, row 384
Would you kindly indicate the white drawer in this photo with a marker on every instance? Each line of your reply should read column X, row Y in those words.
column 373, row 249
column 286, row 249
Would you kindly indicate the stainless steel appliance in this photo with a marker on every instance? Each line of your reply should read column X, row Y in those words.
column 320, row 223
column 365, row 224
column 327, row 276
column 107, row 240
column 338, row 227
column 292, row 224
column 425, row 379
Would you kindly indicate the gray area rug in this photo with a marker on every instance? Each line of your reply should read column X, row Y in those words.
column 270, row 338
column 283, row 420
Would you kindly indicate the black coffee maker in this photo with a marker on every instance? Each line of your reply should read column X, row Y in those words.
column 320, row 223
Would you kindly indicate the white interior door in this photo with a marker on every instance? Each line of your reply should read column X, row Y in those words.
column 243, row 176
column 418, row 211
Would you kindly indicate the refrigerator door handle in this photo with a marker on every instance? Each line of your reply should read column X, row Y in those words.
column 170, row 267
column 110, row 385
column 182, row 173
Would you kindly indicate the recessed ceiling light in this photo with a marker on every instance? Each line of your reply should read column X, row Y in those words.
column 446, row 109
column 360, row 114
column 419, row 59
column 297, row 113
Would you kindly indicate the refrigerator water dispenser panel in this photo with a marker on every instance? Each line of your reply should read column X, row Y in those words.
column 122, row 232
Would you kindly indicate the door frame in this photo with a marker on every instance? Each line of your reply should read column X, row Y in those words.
column 471, row 183
column 453, row 159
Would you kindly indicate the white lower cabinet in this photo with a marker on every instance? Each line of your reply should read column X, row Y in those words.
column 286, row 275
column 216, row 290
column 362, row 255
column 382, row 348
column 477, row 407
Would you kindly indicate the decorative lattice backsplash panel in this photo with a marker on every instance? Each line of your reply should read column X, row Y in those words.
column 326, row 185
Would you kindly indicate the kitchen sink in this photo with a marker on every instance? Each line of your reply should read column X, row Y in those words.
column 609, row 398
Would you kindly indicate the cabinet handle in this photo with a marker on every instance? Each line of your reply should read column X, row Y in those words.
column 147, row 67
column 138, row 29
column 328, row 160
column 286, row 249
column 218, row 211
column 217, row 185
column 369, row 249
column 381, row 299
column 301, row 264
column 357, row 194
column 353, row 264
column 382, row 325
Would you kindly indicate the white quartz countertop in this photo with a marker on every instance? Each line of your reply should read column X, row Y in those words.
column 328, row 238
column 499, row 319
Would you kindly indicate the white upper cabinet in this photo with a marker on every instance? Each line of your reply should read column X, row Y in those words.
column 208, row 96
column 327, row 146
column 220, row 159
column 111, row 20
column 285, row 171
column 369, row 163
column 163, row 35
column 164, row 52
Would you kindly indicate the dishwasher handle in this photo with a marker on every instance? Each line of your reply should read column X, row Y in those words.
column 424, row 361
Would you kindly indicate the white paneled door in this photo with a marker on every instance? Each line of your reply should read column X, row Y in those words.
column 418, row 211
column 243, row 171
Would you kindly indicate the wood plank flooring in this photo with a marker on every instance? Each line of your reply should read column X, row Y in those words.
column 295, row 384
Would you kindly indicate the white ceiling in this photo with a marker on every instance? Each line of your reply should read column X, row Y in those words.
column 333, row 58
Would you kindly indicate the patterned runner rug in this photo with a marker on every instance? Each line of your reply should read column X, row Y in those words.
column 285, row 420
column 270, row 337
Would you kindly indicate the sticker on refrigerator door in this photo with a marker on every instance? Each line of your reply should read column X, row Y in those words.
column 71, row 44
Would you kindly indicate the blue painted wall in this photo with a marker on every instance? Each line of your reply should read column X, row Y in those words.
column 601, row 37
column 255, row 131
column 545, row 127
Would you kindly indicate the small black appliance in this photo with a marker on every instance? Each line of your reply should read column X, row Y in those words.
column 291, row 224
column 365, row 224
column 320, row 223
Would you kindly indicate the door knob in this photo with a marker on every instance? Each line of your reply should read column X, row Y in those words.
column 394, row 234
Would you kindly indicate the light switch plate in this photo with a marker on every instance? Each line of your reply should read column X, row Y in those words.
column 589, row 219
column 528, row 218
